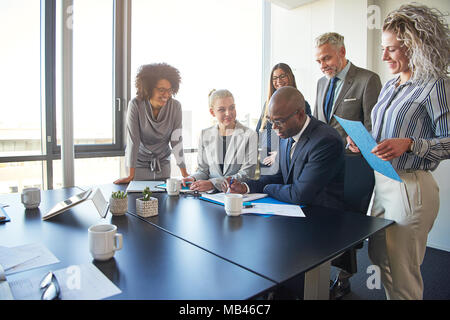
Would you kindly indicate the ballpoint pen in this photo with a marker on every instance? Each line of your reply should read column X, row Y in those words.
column 247, row 205
column 229, row 186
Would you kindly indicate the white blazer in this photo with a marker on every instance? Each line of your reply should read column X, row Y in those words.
column 240, row 159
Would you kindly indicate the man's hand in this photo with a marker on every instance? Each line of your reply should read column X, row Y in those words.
column 352, row 146
column 235, row 187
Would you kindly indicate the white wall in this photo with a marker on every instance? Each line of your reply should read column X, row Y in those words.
column 293, row 33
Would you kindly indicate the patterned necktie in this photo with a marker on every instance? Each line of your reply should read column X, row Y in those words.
column 329, row 99
column 291, row 141
column 269, row 136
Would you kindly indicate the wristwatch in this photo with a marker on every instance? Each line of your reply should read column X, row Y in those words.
column 411, row 145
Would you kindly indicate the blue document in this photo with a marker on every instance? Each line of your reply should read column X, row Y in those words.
column 366, row 143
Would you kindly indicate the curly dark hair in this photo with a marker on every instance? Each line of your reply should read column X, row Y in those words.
column 149, row 74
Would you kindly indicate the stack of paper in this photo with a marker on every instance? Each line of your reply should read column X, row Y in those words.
column 219, row 198
column 77, row 282
column 19, row 259
column 288, row 210
column 25, row 257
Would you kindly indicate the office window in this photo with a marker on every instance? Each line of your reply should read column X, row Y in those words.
column 93, row 70
column 20, row 121
column 18, row 175
column 214, row 44
column 92, row 171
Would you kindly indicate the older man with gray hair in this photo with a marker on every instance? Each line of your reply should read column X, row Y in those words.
column 349, row 92
column 346, row 90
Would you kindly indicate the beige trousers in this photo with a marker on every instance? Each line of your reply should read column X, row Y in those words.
column 399, row 250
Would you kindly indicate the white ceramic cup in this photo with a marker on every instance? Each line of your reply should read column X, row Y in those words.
column 173, row 187
column 104, row 241
column 233, row 204
column 31, row 197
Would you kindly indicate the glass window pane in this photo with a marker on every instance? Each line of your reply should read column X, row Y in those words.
column 20, row 121
column 93, row 69
column 214, row 44
column 18, row 175
column 91, row 171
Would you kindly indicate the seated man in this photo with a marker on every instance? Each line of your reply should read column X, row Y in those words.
column 311, row 168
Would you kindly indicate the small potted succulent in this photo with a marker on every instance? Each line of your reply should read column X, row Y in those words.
column 118, row 203
column 147, row 206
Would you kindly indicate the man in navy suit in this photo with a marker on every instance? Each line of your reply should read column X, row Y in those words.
column 311, row 168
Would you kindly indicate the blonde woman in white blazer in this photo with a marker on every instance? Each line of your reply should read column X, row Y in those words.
column 228, row 149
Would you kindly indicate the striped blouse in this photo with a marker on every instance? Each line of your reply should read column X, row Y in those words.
column 419, row 112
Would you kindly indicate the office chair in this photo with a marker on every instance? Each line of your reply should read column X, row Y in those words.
column 359, row 182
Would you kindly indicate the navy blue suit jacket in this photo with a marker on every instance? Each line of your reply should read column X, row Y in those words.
column 316, row 172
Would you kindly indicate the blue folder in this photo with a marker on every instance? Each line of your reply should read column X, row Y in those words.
column 366, row 143
column 262, row 200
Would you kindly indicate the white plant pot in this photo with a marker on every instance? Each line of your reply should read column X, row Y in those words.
column 147, row 208
column 118, row 207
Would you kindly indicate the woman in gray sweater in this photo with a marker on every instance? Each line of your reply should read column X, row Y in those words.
column 154, row 122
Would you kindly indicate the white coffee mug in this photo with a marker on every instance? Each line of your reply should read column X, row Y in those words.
column 104, row 241
column 233, row 204
column 173, row 187
column 31, row 197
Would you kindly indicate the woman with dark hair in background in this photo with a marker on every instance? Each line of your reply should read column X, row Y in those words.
column 280, row 76
column 153, row 122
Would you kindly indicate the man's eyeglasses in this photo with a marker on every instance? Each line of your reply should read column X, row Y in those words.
column 280, row 77
column 282, row 121
column 164, row 90
column 50, row 286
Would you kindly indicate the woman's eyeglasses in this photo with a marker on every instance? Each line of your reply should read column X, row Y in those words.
column 164, row 90
column 280, row 77
column 50, row 286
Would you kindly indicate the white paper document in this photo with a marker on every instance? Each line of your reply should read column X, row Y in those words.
column 275, row 209
column 220, row 197
column 139, row 186
column 9, row 257
column 78, row 282
column 5, row 290
column 29, row 256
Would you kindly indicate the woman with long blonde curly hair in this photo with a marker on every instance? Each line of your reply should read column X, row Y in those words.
column 410, row 123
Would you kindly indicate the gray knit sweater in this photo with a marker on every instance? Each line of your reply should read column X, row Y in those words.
column 148, row 138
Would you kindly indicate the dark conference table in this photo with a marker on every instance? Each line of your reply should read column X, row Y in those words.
column 276, row 248
column 153, row 264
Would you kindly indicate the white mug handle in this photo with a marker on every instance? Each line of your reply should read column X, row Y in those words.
column 118, row 237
